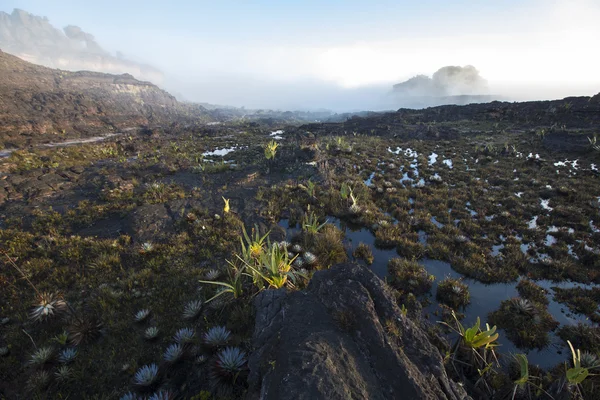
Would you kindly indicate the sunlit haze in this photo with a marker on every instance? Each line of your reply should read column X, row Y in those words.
column 342, row 55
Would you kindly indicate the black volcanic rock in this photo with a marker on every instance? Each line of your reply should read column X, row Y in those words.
column 331, row 342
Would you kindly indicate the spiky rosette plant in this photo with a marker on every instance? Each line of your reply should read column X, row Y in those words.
column 67, row 356
column 212, row 275
column 227, row 371
column 48, row 305
column 192, row 309
column 230, row 362
column 146, row 376
column 216, row 336
column 130, row 396
column 142, row 315
column 151, row 333
column 162, row 395
column 453, row 292
column 41, row 356
column 84, row 329
column 173, row 353
column 309, row 258
column 38, row 381
column 523, row 306
column 298, row 263
column 184, row 335
column 63, row 374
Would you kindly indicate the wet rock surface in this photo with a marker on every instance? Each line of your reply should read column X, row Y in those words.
column 332, row 341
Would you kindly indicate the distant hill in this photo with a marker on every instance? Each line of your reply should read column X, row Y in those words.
column 35, row 39
column 448, row 85
column 46, row 104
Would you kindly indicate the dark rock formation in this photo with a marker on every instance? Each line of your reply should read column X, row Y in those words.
column 39, row 102
column 342, row 338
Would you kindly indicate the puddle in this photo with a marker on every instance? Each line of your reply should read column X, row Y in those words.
column 533, row 223
column 545, row 204
column 496, row 250
column 410, row 153
column 7, row 152
column 369, row 181
column 448, row 163
column 550, row 240
column 572, row 164
column 277, row 134
column 434, row 221
column 484, row 298
column 487, row 298
column 406, row 178
column 433, row 158
column 219, row 152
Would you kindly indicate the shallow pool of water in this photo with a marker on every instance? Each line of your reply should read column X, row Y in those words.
column 485, row 298
column 219, row 152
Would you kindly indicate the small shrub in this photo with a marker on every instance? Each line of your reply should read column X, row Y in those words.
column 409, row 276
column 453, row 292
column 364, row 252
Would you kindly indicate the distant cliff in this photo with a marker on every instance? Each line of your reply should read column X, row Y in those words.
column 36, row 40
column 44, row 104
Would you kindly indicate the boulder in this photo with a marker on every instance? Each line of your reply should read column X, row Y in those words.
column 344, row 337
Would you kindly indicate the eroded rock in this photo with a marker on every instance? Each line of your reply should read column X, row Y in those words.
column 344, row 337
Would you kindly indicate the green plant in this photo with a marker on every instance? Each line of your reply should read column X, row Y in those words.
column 233, row 285
column 271, row 149
column 254, row 244
column 310, row 223
column 364, row 252
column 345, row 191
column 311, row 188
column 577, row 373
column 475, row 337
column 472, row 355
column 274, row 268
column 525, row 379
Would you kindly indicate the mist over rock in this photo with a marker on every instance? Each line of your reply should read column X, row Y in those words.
column 34, row 39
column 448, row 85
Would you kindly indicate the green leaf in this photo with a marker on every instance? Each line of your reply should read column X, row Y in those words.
column 577, row 375
column 524, row 364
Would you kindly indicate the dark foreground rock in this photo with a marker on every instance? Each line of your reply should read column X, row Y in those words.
column 342, row 338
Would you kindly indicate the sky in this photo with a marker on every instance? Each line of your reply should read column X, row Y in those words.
column 346, row 54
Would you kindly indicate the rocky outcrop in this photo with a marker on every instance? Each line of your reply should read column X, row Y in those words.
column 343, row 337
column 43, row 104
column 36, row 40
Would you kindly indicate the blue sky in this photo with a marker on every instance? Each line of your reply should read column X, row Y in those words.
column 534, row 48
